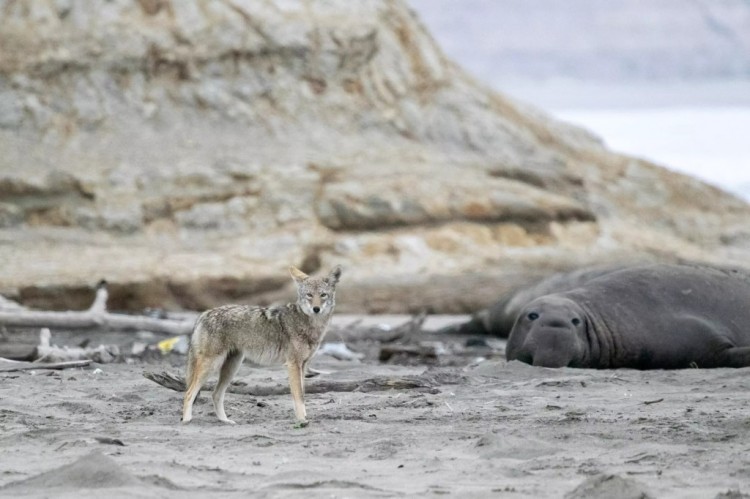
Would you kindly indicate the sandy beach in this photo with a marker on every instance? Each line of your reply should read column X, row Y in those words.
column 482, row 428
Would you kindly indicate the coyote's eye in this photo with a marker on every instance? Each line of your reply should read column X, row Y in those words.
column 309, row 295
column 324, row 295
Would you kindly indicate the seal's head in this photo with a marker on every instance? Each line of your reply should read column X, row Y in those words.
column 549, row 332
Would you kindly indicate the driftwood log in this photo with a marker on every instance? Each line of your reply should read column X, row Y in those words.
column 354, row 332
column 426, row 352
column 9, row 367
column 86, row 319
column 95, row 317
column 427, row 381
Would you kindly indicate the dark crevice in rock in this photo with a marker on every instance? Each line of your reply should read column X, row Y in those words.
column 529, row 217
column 544, row 179
column 50, row 202
column 55, row 184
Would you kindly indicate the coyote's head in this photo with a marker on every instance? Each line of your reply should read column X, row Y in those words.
column 316, row 296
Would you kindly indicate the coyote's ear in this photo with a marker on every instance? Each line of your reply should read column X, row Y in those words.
column 334, row 275
column 297, row 274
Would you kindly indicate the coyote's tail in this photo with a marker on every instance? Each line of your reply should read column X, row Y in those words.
column 190, row 365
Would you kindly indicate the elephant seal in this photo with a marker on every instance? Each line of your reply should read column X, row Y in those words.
column 647, row 317
column 498, row 319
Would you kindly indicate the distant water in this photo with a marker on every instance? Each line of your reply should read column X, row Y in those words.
column 668, row 81
column 712, row 144
column 702, row 129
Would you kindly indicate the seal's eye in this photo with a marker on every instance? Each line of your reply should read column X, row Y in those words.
column 576, row 321
column 533, row 316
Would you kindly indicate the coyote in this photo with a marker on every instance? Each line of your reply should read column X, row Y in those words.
column 288, row 334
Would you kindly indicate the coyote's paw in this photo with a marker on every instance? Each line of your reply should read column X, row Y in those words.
column 301, row 424
column 227, row 421
column 185, row 421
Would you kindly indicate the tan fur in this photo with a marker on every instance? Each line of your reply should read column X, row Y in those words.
column 288, row 334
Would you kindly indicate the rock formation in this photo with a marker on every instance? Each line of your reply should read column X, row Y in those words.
column 188, row 151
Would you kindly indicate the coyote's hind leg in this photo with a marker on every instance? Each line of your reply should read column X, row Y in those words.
column 228, row 369
column 198, row 370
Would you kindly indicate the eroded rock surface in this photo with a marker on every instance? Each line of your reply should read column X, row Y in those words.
column 189, row 151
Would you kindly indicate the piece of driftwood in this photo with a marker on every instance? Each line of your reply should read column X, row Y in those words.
column 86, row 319
column 379, row 383
column 9, row 366
column 45, row 352
column 17, row 351
column 339, row 350
column 422, row 351
column 96, row 316
column 110, row 441
column 6, row 304
column 355, row 332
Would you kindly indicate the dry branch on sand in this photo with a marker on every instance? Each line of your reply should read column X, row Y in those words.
column 426, row 381
column 355, row 332
column 87, row 319
column 7, row 366
column 96, row 316
column 426, row 352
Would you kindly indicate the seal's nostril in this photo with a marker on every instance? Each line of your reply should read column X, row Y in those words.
column 556, row 323
column 316, row 309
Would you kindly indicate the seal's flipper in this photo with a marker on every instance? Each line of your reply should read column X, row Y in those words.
column 738, row 357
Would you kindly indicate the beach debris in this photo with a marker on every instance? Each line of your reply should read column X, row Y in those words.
column 45, row 352
column 109, row 441
column 649, row 402
column 474, row 363
column 408, row 343
column 381, row 333
column 99, row 306
column 176, row 344
column 7, row 365
column 155, row 313
column 427, row 352
column 476, row 343
column 429, row 381
column 340, row 351
column 138, row 348
column 312, row 373
column 96, row 316
column 87, row 320
column 404, row 343
column 12, row 348
column 732, row 494
column 10, row 305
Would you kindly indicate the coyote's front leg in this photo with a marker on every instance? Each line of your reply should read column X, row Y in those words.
column 295, row 385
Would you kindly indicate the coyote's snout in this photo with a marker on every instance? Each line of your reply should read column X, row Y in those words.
column 290, row 334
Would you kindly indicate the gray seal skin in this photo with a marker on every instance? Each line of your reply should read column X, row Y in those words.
column 498, row 319
column 647, row 317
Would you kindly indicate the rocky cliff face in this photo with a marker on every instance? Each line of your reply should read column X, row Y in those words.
column 188, row 151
